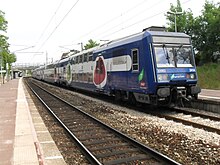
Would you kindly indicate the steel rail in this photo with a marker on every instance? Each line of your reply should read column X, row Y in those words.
column 187, row 122
column 147, row 150
column 206, row 116
column 92, row 159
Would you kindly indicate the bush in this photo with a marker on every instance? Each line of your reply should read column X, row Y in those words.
column 209, row 76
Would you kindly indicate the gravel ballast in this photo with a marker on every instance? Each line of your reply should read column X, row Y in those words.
column 184, row 144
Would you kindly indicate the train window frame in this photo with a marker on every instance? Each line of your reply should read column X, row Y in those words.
column 173, row 58
column 77, row 59
column 72, row 61
column 90, row 56
column 80, row 58
column 135, row 65
column 85, row 59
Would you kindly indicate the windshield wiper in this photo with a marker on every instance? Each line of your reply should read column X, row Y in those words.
column 184, row 56
column 180, row 47
column 176, row 53
column 166, row 53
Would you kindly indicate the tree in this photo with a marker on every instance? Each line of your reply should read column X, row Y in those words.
column 91, row 44
column 3, row 27
column 206, row 34
column 204, row 29
column 3, row 22
column 5, row 54
column 184, row 21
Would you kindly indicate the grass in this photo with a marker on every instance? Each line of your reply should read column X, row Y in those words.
column 209, row 76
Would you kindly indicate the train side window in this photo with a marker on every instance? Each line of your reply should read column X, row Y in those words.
column 80, row 59
column 77, row 59
column 135, row 59
column 85, row 57
column 72, row 61
column 90, row 56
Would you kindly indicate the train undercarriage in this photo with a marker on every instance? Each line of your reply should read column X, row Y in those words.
column 166, row 96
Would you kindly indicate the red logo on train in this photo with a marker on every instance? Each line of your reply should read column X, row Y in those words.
column 100, row 74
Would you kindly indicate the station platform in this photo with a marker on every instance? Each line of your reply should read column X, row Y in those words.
column 24, row 139
column 209, row 94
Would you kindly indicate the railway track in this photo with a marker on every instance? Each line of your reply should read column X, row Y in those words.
column 101, row 144
column 198, row 120
column 197, row 114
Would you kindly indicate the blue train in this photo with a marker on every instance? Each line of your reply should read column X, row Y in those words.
column 153, row 67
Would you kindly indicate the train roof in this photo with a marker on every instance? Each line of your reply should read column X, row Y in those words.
column 84, row 51
column 168, row 34
column 139, row 36
column 151, row 31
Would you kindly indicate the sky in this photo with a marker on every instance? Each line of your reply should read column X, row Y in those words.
column 40, row 29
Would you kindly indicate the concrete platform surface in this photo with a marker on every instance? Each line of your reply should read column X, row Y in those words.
column 210, row 94
column 24, row 139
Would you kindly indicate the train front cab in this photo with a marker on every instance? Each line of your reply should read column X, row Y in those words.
column 174, row 69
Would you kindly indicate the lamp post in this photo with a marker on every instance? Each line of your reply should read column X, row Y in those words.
column 175, row 14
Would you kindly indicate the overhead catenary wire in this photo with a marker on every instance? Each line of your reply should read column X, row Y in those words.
column 113, row 19
column 51, row 19
column 130, row 18
column 135, row 23
column 58, row 24
column 117, row 17
column 107, row 22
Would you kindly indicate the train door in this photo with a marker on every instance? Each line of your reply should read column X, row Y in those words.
column 134, row 68
column 56, row 74
column 109, row 78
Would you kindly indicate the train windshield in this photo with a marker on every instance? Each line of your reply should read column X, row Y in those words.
column 173, row 56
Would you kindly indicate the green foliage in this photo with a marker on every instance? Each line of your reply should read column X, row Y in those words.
column 206, row 34
column 3, row 27
column 171, row 17
column 3, row 22
column 3, row 42
column 7, row 58
column 184, row 21
column 209, row 77
column 5, row 54
column 91, row 44
column 203, row 29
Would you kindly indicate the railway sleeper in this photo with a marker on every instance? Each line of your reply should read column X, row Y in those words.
column 111, row 146
column 140, row 157
column 87, row 130
column 86, row 137
column 110, row 141
column 117, row 153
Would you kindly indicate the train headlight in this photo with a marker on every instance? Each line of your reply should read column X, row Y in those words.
column 191, row 76
column 162, row 77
